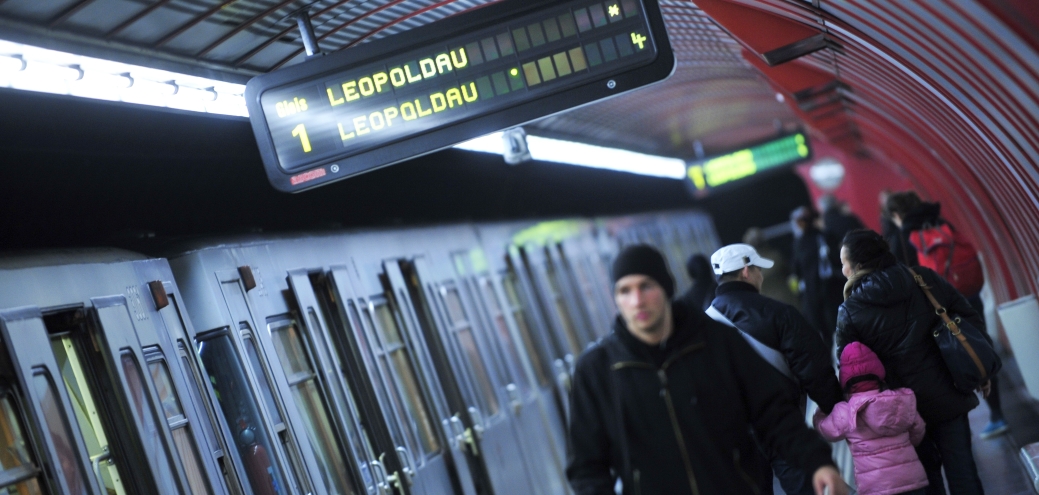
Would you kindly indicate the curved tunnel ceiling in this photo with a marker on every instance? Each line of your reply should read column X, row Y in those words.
column 947, row 94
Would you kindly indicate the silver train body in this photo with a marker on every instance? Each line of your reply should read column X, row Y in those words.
column 409, row 361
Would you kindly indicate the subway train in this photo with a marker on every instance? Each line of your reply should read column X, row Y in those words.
column 396, row 361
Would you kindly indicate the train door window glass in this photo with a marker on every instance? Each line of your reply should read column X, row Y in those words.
column 261, row 378
column 463, row 331
column 516, row 306
column 241, row 415
column 494, row 308
column 88, row 416
column 58, row 429
column 564, row 314
column 178, row 423
column 17, row 465
column 312, row 404
column 394, row 347
column 151, row 435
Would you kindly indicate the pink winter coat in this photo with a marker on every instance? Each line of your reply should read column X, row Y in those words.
column 881, row 429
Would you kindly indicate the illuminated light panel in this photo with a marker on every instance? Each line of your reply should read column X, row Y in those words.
column 585, row 155
column 747, row 162
column 32, row 68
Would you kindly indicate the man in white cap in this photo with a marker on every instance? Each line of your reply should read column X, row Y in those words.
column 779, row 334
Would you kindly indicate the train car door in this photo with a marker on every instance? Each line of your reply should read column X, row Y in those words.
column 40, row 379
column 307, row 357
column 20, row 473
column 469, row 355
column 253, row 421
column 396, row 361
column 560, row 277
column 126, row 363
column 533, row 429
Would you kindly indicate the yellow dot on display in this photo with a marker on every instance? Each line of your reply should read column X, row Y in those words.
column 514, row 72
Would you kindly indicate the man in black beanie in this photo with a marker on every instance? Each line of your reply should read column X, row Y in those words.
column 665, row 403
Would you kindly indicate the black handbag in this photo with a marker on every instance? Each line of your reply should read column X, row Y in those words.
column 968, row 355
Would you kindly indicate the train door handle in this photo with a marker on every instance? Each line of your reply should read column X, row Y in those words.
column 409, row 465
column 95, row 462
column 570, row 363
column 477, row 417
column 514, row 398
column 393, row 480
column 465, row 435
column 382, row 480
column 452, row 434
column 562, row 374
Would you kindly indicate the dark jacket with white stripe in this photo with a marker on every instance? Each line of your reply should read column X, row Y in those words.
column 676, row 419
column 781, row 327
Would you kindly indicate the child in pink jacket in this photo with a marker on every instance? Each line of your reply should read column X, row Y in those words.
column 881, row 427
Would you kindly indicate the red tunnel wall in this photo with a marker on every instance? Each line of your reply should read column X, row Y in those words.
column 949, row 96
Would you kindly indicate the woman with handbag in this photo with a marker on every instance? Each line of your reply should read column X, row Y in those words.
column 886, row 309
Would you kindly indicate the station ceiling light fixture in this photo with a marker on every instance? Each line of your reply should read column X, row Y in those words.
column 585, row 155
column 32, row 68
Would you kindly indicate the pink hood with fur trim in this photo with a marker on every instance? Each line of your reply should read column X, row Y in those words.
column 881, row 429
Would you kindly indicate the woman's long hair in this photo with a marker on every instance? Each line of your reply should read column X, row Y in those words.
column 867, row 251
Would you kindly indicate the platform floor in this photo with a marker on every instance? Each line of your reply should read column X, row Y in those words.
column 999, row 466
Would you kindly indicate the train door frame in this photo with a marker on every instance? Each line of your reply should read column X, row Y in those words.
column 179, row 331
column 36, row 366
column 529, row 413
column 29, row 474
column 559, row 269
column 583, row 284
column 286, row 450
column 418, row 471
column 492, row 424
column 309, row 364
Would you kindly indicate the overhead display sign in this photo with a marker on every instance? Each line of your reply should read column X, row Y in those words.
column 495, row 67
column 744, row 163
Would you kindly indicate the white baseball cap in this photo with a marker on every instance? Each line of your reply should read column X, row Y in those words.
column 736, row 256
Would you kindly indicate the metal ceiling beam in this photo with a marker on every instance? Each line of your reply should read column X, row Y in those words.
column 242, row 27
column 151, row 8
column 69, row 12
column 192, row 23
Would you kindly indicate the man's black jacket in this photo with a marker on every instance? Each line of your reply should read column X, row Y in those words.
column 675, row 420
column 781, row 327
column 889, row 313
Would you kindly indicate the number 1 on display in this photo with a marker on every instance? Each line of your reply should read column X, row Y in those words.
column 301, row 132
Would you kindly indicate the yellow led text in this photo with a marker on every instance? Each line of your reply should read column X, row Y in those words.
column 291, row 107
column 397, row 77
column 408, row 111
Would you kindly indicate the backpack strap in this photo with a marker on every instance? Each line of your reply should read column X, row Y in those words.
column 772, row 356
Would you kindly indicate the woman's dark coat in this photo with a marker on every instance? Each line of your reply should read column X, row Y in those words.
column 889, row 313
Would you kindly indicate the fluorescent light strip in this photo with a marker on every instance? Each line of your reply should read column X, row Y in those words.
column 585, row 155
column 37, row 69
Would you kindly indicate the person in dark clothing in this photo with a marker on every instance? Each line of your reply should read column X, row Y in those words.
column 666, row 401
column 886, row 310
column 902, row 249
column 816, row 267
column 912, row 215
column 802, row 356
column 700, row 294
column 837, row 217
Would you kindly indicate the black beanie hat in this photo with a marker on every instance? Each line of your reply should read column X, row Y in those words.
column 645, row 260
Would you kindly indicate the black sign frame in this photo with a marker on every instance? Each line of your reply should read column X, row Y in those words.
column 330, row 169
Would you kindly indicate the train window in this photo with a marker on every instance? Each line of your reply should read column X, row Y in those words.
column 311, row 403
column 463, row 331
column 509, row 281
column 564, row 314
column 88, row 416
column 146, row 422
column 18, row 471
column 408, row 382
column 494, row 308
column 241, row 415
column 60, row 434
column 178, row 423
column 261, row 379
column 588, row 290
